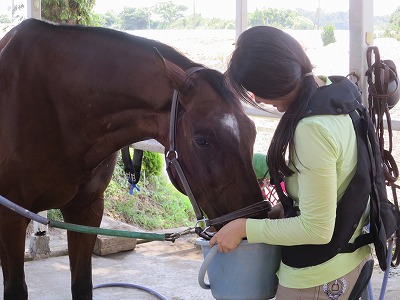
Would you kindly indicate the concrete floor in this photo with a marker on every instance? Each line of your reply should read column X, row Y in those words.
column 170, row 269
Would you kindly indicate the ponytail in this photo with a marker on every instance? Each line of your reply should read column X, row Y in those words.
column 284, row 133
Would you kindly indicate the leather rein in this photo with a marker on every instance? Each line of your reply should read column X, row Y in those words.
column 378, row 108
column 378, row 78
column 171, row 158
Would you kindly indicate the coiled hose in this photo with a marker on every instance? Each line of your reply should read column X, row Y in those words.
column 130, row 285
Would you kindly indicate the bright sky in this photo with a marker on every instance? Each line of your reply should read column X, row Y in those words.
column 227, row 8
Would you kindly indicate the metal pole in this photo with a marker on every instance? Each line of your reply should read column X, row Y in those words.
column 34, row 11
column 241, row 16
column 194, row 14
column 361, row 37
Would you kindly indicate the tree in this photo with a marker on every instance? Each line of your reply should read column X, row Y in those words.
column 5, row 19
column 321, row 18
column 17, row 14
column 280, row 18
column 169, row 13
column 303, row 23
column 393, row 27
column 186, row 22
column 328, row 34
column 217, row 23
column 68, row 11
column 109, row 19
column 131, row 18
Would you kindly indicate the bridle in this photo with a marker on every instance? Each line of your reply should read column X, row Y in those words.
column 171, row 158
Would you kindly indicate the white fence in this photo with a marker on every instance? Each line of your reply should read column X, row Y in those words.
column 155, row 146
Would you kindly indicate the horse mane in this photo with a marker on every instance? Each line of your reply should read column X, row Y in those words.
column 212, row 76
column 216, row 79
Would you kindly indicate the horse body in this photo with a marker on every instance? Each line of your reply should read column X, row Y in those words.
column 71, row 97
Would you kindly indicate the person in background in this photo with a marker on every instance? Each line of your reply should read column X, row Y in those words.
column 316, row 156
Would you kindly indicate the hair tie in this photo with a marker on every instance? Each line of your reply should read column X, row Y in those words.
column 309, row 74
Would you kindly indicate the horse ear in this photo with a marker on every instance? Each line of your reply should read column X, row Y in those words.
column 173, row 72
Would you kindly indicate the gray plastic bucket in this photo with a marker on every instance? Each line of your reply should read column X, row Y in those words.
column 246, row 273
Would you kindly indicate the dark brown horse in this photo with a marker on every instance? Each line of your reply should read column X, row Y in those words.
column 71, row 97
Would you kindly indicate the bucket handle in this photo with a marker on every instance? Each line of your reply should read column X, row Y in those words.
column 204, row 267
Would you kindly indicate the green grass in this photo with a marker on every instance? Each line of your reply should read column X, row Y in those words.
column 158, row 205
column 54, row 214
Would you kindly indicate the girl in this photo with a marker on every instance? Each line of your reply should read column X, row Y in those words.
column 271, row 67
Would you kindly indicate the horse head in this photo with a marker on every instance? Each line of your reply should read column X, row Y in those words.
column 214, row 140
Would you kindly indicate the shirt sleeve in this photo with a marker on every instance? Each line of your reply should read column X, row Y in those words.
column 314, row 158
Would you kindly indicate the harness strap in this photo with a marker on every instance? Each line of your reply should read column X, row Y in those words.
column 380, row 75
column 242, row 213
column 132, row 167
column 287, row 202
column 171, row 156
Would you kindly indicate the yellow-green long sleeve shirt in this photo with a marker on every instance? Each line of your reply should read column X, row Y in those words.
column 324, row 159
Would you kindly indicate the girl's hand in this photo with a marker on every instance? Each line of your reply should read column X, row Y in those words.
column 230, row 236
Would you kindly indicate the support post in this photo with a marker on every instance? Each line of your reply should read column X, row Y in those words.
column 39, row 244
column 241, row 16
column 34, row 9
column 361, row 37
column 40, row 229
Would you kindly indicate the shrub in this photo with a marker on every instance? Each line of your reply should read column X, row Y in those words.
column 152, row 163
column 328, row 34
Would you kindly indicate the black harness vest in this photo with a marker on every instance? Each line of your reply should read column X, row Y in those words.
column 343, row 97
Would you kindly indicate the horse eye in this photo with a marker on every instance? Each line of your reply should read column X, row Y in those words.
column 201, row 141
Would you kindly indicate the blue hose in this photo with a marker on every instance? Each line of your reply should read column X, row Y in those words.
column 370, row 291
column 23, row 212
column 130, row 285
column 386, row 275
column 42, row 220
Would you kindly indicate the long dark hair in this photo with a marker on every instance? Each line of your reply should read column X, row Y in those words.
column 271, row 64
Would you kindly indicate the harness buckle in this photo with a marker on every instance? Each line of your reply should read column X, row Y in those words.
column 203, row 223
column 173, row 153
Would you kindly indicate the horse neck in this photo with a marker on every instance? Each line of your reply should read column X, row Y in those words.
column 129, row 121
column 120, row 99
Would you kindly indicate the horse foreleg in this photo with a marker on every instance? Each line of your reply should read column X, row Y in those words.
column 80, row 249
column 12, row 250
